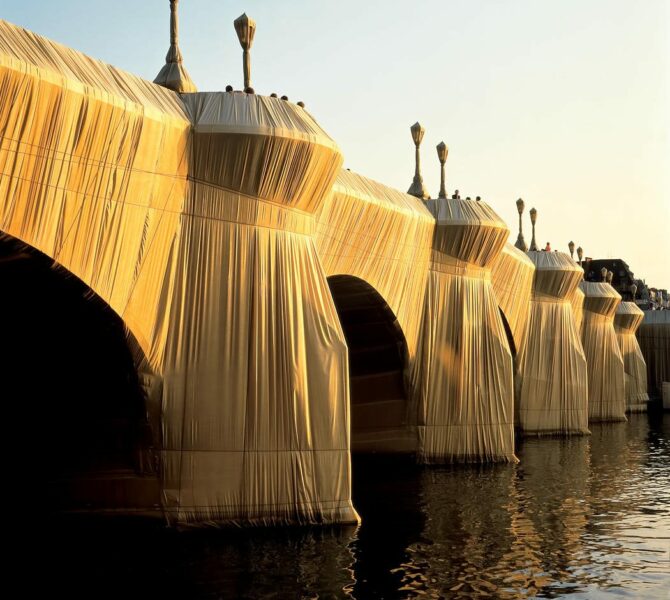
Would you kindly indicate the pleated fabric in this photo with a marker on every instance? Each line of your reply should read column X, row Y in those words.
column 383, row 236
column 577, row 302
column 607, row 398
column 462, row 378
column 192, row 217
column 627, row 320
column 551, row 374
column 512, row 277
column 654, row 338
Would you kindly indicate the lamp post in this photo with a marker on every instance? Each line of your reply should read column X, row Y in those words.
column 571, row 247
column 633, row 290
column 603, row 273
column 442, row 152
column 520, row 242
column 173, row 75
column 609, row 277
column 580, row 255
column 533, row 219
column 417, row 189
column 246, row 29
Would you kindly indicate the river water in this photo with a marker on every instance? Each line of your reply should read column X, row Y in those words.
column 581, row 517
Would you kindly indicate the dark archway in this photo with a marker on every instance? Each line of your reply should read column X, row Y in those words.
column 508, row 332
column 70, row 389
column 377, row 364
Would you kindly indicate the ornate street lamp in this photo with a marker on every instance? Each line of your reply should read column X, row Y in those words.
column 520, row 242
column 609, row 277
column 173, row 75
column 246, row 29
column 417, row 189
column 442, row 152
column 533, row 219
column 603, row 273
column 633, row 290
column 571, row 247
column 580, row 255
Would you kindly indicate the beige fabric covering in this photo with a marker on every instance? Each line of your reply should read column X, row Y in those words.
column 551, row 379
column 192, row 217
column 607, row 400
column 462, row 379
column 512, row 277
column 627, row 320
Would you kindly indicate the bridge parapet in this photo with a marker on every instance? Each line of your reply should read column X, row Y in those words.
column 466, row 230
column 262, row 147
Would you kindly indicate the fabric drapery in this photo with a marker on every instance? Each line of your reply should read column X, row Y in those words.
column 512, row 277
column 551, row 376
column 577, row 302
column 192, row 217
column 382, row 236
column 462, row 379
column 627, row 320
column 607, row 400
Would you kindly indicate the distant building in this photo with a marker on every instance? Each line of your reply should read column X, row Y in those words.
column 622, row 278
column 647, row 298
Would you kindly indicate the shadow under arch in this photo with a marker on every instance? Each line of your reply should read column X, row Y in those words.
column 71, row 387
column 378, row 361
column 508, row 332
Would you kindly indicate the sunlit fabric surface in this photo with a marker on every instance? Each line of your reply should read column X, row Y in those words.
column 192, row 217
column 607, row 401
column 654, row 338
column 462, row 378
column 627, row 320
column 577, row 301
column 382, row 236
column 551, row 378
column 512, row 277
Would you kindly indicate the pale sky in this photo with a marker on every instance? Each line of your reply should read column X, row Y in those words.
column 565, row 103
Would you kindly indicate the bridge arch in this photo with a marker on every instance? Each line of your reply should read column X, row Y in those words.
column 511, row 342
column 378, row 366
column 72, row 387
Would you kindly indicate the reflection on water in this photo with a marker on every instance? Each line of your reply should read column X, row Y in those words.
column 585, row 517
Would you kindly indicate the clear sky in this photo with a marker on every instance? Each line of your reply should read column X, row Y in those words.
column 565, row 103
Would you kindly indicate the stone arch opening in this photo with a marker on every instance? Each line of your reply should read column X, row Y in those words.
column 71, row 389
column 377, row 366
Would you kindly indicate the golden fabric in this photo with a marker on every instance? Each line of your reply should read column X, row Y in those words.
column 462, row 378
column 378, row 234
column 512, row 280
column 551, row 375
column 607, row 400
column 381, row 236
column 577, row 302
column 192, row 217
column 627, row 320
column 654, row 338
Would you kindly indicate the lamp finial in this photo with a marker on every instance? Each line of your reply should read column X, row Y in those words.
column 442, row 153
column 533, row 219
column 520, row 241
column 245, row 27
column 173, row 75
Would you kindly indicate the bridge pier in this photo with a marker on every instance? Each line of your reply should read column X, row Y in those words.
column 462, row 378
